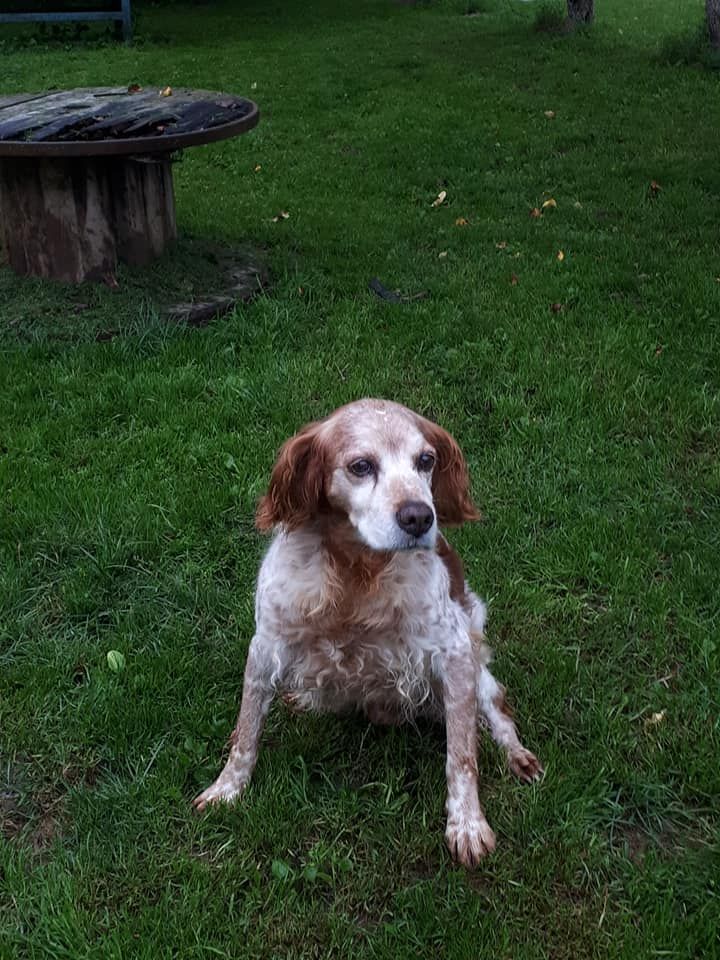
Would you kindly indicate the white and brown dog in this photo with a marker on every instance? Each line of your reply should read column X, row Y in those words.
column 362, row 604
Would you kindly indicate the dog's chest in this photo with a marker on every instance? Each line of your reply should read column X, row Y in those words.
column 360, row 670
column 348, row 646
column 377, row 643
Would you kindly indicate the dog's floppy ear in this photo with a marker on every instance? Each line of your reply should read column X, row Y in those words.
column 450, row 481
column 297, row 482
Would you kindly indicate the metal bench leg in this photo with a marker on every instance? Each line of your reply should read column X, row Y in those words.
column 126, row 21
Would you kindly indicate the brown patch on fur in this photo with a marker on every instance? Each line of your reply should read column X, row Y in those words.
column 292, row 702
column 296, row 493
column 358, row 568
column 454, row 567
column 450, row 481
column 501, row 703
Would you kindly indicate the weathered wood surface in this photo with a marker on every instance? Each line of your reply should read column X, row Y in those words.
column 143, row 208
column 73, row 220
column 112, row 120
column 86, row 177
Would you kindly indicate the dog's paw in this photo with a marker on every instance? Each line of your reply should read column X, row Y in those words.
column 469, row 840
column 222, row 791
column 525, row 765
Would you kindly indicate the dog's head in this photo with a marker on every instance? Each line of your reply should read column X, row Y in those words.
column 392, row 474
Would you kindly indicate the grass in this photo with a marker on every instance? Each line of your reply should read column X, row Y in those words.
column 132, row 452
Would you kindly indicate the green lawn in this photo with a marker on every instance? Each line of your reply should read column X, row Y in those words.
column 132, row 452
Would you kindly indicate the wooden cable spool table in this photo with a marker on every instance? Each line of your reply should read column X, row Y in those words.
column 86, row 175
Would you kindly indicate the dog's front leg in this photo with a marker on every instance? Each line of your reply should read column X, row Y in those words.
column 468, row 833
column 256, row 699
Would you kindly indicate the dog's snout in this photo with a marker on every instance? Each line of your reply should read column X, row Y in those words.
column 415, row 517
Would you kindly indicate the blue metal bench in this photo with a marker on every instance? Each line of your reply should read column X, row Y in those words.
column 29, row 12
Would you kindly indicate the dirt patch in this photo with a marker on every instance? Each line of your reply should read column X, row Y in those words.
column 34, row 812
column 35, row 822
column 669, row 841
column 12, row 817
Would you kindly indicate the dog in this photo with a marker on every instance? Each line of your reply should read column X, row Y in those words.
column 362, row 604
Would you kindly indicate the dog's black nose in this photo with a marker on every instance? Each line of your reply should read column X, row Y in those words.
column 415, row 518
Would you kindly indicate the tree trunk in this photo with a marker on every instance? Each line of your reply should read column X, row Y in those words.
column 582, row 12
column 712, row 13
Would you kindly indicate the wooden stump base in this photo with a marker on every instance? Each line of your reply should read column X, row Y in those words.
column 72, row 219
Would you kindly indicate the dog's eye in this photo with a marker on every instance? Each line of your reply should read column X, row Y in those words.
column 361, row 468
column 425, row 462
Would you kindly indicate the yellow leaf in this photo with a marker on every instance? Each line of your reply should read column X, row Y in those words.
column 442, row 255
column 258, row 168
column 462, row 222
column 560, row 255
column 550, row 114
column 439, row 199
column 166, row 92
column 654, row 719
column 549, row 203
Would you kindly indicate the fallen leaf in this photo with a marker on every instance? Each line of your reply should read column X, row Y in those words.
column 502, row 245
column 253, row 86
column 442, row 255
column 535, row 212
column 654, row 189
column 654, row 719
column 258, row 167
column 283, row 215
column 577, row 205
column 549, row 203
column 556, row 307
column 550, row 114
column 560, row 256
column 658, row 350
column 134, row 88
column 115, row 660
column 514, row 279
column 166, row 92
column 439, row 199
column 462, row 222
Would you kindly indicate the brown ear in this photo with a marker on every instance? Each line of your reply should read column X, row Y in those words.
column 296, row 484
column 450, row 481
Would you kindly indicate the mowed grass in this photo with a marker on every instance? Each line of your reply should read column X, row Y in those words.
column 132, row 452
